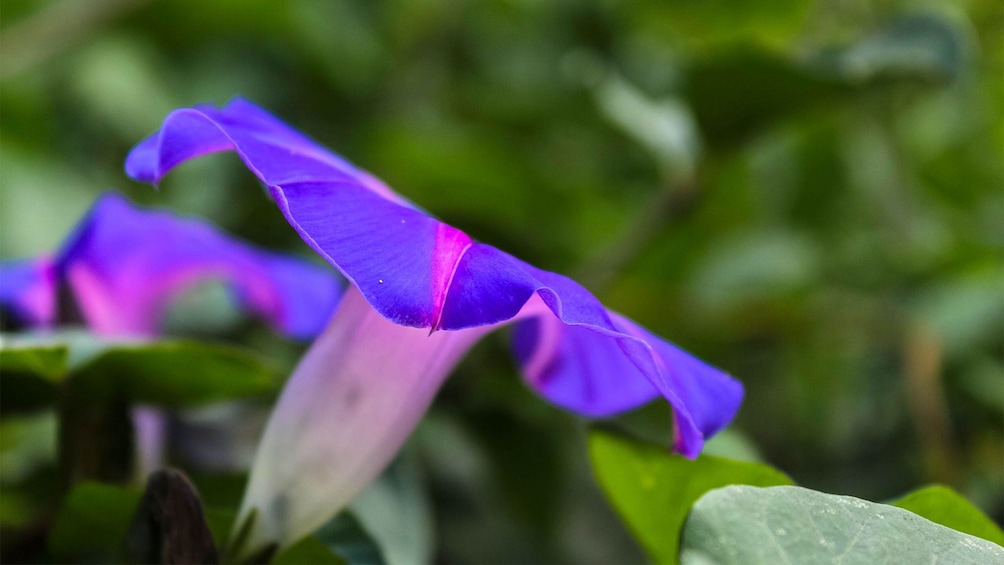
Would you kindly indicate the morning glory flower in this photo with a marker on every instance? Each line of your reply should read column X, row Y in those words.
column 422, row 294
column 122, row 265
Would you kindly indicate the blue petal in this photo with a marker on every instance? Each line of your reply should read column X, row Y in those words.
column 125, row 264
column 579, row 369
column 28, row 291
column 417, row 271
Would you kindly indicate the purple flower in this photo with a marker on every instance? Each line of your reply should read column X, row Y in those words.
column 28, row 291
column 122, row 265
column 422, row 293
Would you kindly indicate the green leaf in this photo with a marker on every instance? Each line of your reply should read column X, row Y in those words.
column 220, row 520
column 308, row 550
column 80, row 345
column 942, row 505
column 349, row 539
column 166, row 373
column 342, row 540
column 29, row 374
column 175, row 373
column 45, row 361
column 92, row 522
column 653, row 490
column 748, row 525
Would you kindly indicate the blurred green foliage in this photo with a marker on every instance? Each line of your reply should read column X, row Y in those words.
column 805, row 193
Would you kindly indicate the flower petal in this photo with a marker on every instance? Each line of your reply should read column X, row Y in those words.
column 277, row 153
column 28, row 291
column 417, row 271
column 579, row 369
column 351, row 403
column 587, row 359
column 711, row 396
column 124, row 264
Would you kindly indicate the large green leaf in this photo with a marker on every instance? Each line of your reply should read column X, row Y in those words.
column 748, row 525
column 653, row 490
column 174, row 373
column 944, row 506
column 92, row 522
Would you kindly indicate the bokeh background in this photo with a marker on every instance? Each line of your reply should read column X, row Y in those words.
column 806, row 193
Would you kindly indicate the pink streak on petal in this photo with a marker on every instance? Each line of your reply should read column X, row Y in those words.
column 135, row 303
column 450, row 246
column 348, row 408
column 99, row 305
column 40, row 299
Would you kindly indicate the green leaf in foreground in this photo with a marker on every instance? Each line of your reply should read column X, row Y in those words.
column 944, row 506
column 748, row 525
column 46, row 361
column 166, row 373
column 92, row 522
column 29, row 374
column 175, row 373
column 654, row 490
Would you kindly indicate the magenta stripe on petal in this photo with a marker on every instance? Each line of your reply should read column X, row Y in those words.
column 449, row 249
